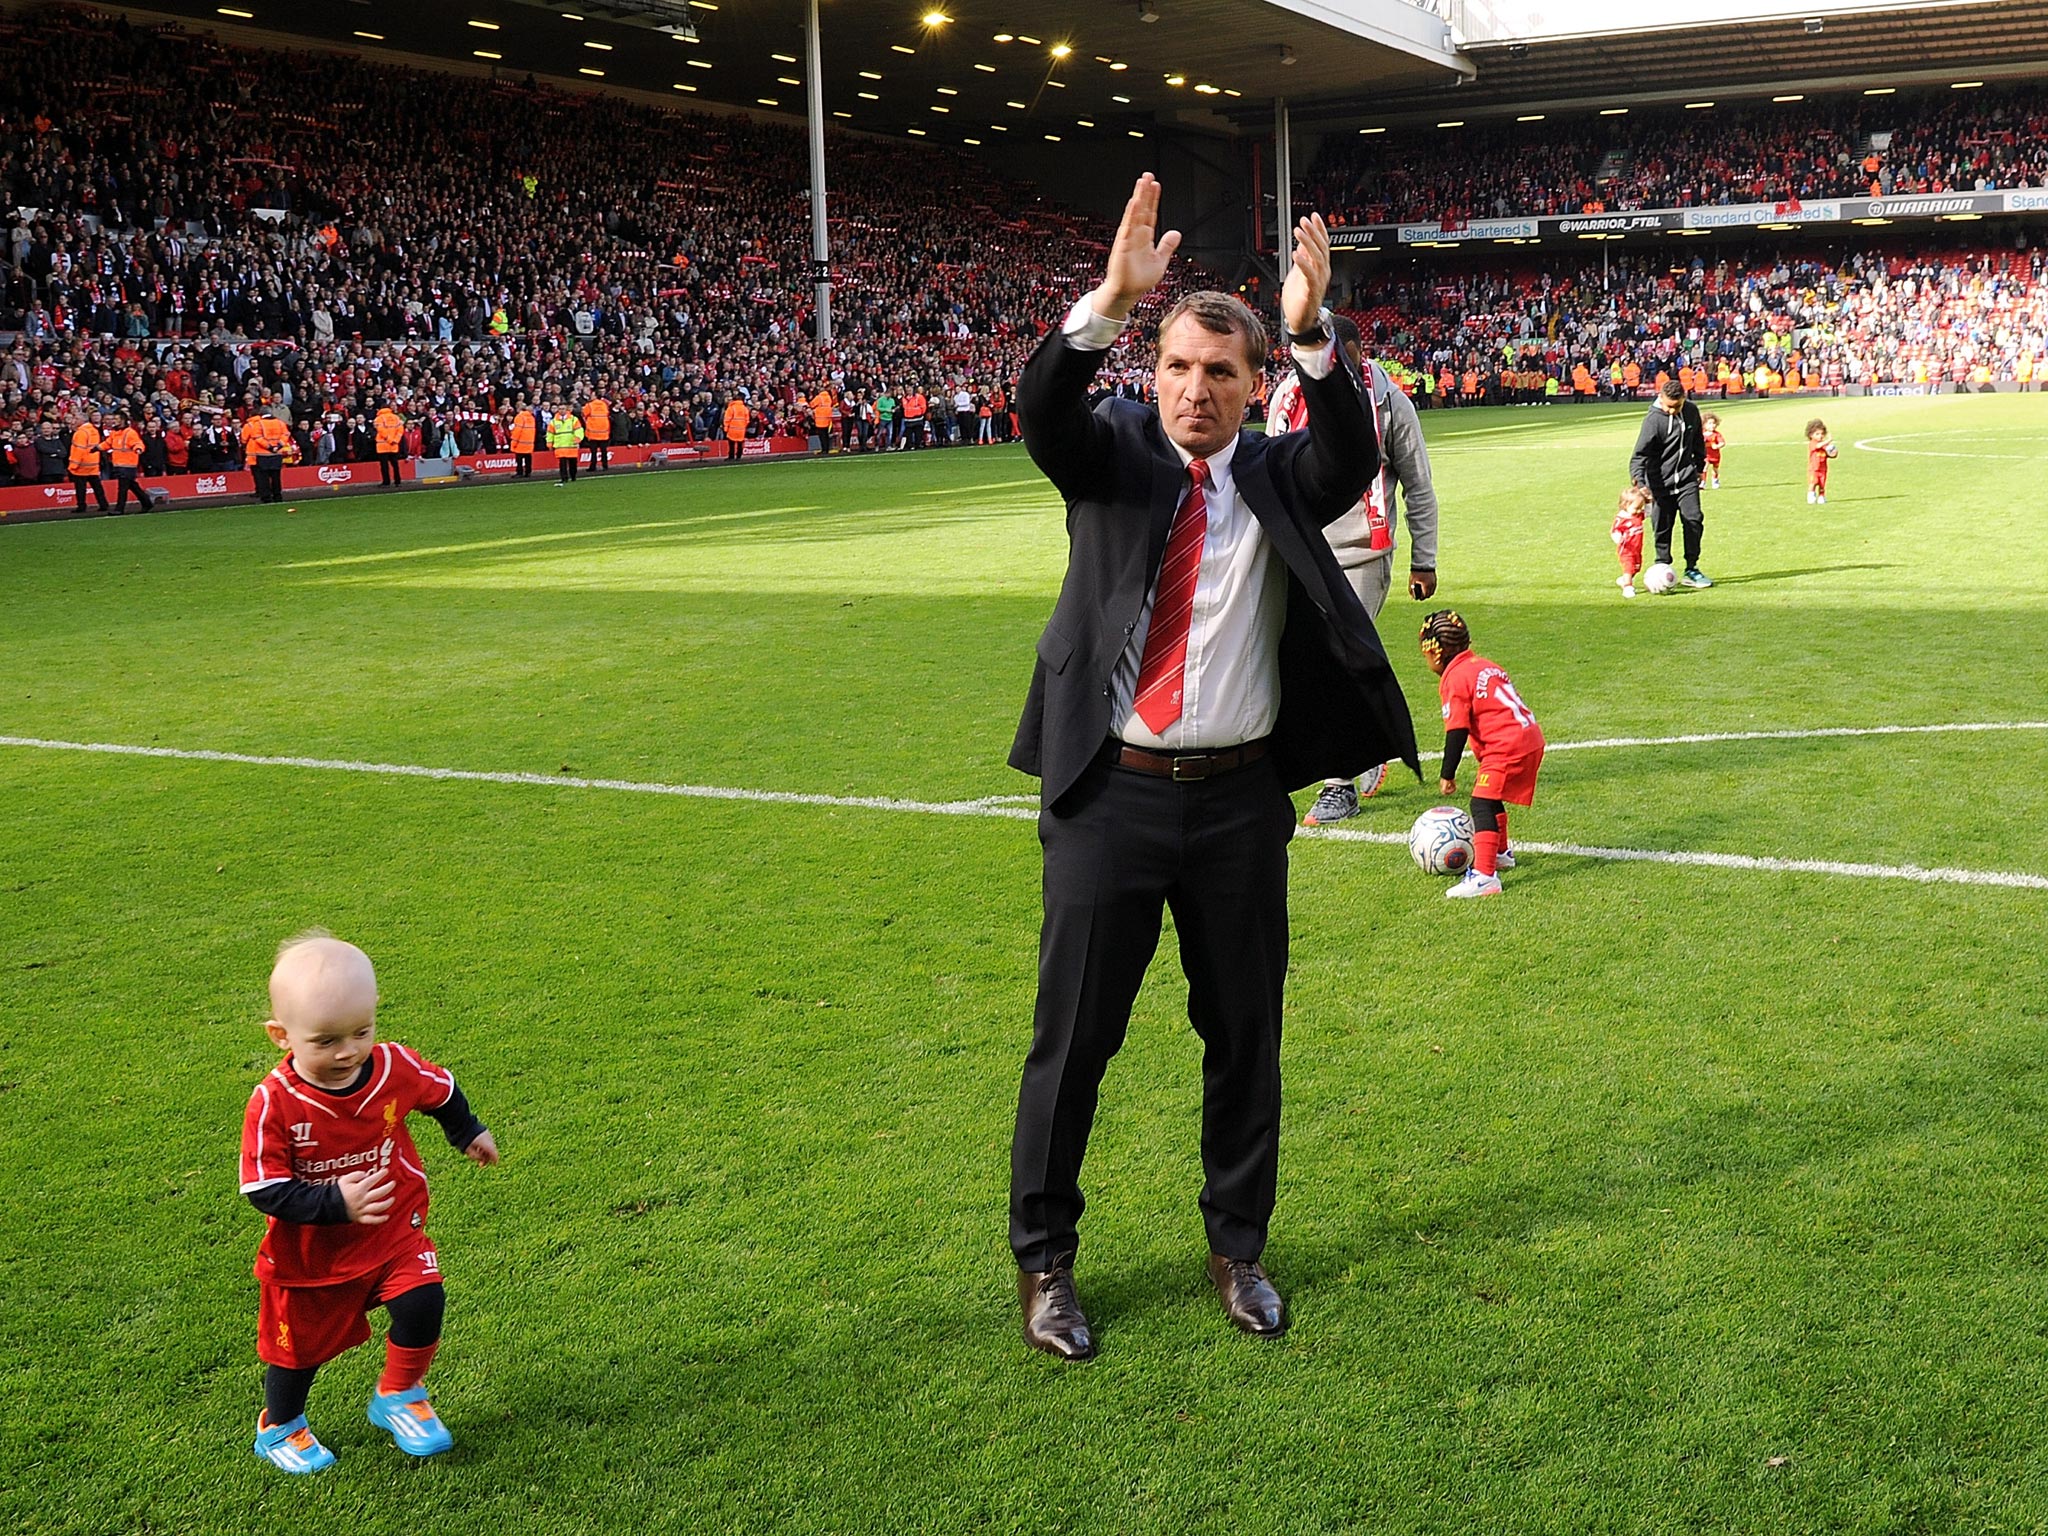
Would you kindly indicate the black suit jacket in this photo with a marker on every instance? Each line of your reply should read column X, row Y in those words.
column 1341, row 710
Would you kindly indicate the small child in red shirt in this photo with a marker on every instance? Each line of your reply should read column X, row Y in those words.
column 1628, row 536
column 1710, row 476
column 1481, row 707
column 1819, row 449
column 326, row 1156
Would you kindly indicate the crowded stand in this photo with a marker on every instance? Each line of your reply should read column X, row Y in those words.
column 1767, row 323
column 195, row 232
column 1886, row 146
column 392, row 264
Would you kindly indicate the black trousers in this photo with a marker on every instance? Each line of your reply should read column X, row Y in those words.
column 387, row 469
column 127, row 485
column 1120, row 847
column 522, row 465
column 600, row 455
column 80, row 484
column 1676, row 506
column 269, row 471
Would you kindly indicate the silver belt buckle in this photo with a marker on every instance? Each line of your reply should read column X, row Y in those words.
column 1205, row 759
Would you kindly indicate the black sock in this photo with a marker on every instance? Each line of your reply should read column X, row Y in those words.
column 284, row 1394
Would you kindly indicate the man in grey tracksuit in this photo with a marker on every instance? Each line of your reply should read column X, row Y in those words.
column 1363, row 538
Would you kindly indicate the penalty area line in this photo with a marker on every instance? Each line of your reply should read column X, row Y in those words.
column 1004, row 808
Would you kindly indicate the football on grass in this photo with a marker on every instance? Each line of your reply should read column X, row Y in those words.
column 1441, row 841
column 1660, row 578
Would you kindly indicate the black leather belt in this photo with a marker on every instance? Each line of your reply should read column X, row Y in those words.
column 1182, row 767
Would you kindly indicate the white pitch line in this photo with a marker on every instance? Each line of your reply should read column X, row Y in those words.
column 552, row 780
column 1001, row 807
column 1912, row 872
column 1818, row 733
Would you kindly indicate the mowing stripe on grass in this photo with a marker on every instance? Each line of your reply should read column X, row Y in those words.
column 1004, row 807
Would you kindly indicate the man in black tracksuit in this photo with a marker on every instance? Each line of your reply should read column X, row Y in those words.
column 1670, row 451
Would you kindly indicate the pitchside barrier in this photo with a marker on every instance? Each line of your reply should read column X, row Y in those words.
column 54, row 499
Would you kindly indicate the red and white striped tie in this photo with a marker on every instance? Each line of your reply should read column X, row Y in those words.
column 1162, row 670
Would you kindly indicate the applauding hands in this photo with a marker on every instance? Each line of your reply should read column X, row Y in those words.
column 1140, row 255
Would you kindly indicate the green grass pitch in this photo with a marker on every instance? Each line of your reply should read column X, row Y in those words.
column 1646, row 1198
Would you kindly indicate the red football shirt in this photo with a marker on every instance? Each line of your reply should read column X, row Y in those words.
column 1479, row 699
column 293, row 1130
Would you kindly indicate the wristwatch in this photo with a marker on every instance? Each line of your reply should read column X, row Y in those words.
column 1317, row 335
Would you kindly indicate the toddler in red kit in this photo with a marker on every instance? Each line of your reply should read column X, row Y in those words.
column 327, row 1157
column 1820, row 448
column 1710, row 431
column 1482, row 708
column 1628, row 536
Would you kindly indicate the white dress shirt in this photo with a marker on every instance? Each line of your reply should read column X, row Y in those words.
column 1231, row 687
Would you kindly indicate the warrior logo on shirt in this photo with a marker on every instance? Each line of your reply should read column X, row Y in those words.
column 302, row 1133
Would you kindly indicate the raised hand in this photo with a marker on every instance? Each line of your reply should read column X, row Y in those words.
column 1137, row 261
column 1301, row 296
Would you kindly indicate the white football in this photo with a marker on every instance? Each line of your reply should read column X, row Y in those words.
column 1441, row 841
column 1660, row 578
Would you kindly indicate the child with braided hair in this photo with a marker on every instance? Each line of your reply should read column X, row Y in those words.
column 1820, row 449
column 1481, row 706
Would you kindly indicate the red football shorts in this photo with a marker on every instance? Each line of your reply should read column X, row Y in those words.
column 1512, row 779
column 303, row 1326
column 1630, row 553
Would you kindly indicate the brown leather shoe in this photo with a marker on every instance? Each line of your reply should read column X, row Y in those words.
column 1248, row 1296
column 1053, row 1320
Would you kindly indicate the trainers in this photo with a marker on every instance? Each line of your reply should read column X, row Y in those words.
column 414, row 1426
column 1821, row 500
column 1474, row 884
column 1695, row 577
column 1812, row 497
column 1369, row 782
column 1504, row 860
column 291, row 1447
column 1336, row 802
column 1716, row 485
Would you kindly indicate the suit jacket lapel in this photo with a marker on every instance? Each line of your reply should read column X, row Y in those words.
column 1255, row 485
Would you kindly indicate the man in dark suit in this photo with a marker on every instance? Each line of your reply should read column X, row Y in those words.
column 1206, row 656
column 1670, row 451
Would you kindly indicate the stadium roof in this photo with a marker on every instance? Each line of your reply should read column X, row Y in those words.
column 1042, row 67
column 1819, row 49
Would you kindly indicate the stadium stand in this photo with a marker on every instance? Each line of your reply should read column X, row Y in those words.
column 197, row 228
column 1669, row 158
column 1778, row 321
column 196, row 231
